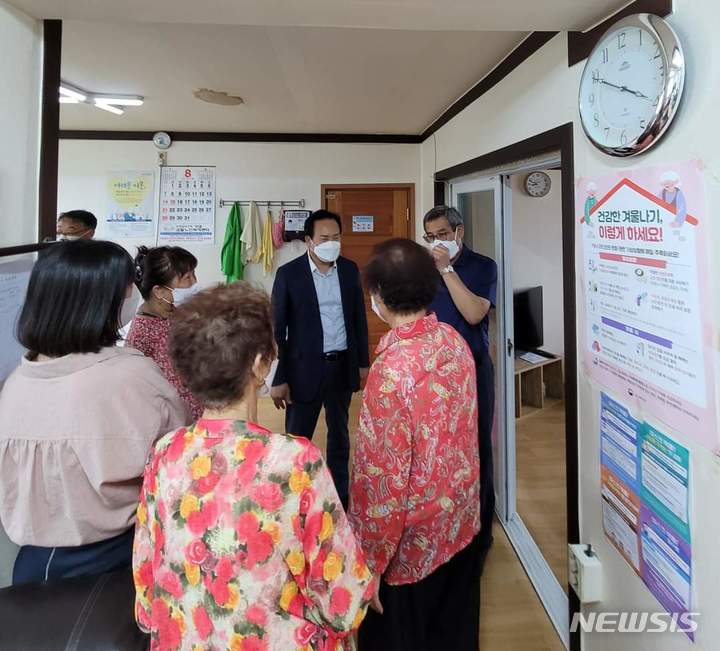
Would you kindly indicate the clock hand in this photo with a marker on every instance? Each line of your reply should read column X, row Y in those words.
column 624, row 89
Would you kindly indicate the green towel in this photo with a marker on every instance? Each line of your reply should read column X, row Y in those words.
column 231, row 262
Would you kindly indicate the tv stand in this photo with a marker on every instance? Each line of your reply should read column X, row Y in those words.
column 536, row 383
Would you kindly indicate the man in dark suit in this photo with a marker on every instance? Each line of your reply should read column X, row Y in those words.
column 322, row 337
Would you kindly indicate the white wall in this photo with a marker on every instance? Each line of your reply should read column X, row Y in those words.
column 542, row 94
column 287, row 171
column 20, row 70
column 537, row 253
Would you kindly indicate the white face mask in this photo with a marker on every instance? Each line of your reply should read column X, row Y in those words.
column 376, row 308
column 451, row 245
column 69, row 238
column 327, row 251
column 182, row 294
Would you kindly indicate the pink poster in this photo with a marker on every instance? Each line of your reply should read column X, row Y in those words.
column 646, row 324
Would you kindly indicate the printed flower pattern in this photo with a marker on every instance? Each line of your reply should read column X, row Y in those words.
column 415, row 494
column 241, row 544
column 150, row 336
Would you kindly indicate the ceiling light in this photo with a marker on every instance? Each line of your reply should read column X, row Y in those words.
column 119, row 100
column 68, row 100
column 109, row 108
column 219, row 97
column 67, row 90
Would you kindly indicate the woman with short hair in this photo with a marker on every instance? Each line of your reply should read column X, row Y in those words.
column 241, row 542
column 414, row 497
column 165, row 277
column 77, row 418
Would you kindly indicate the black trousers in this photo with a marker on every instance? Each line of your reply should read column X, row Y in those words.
column 439, row 613
column 301, row 419
column 37, row 564
column 486, row 413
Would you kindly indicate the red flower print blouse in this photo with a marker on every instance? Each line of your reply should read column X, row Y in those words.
column 241, row 543
column 415, row 491
column 149, row 335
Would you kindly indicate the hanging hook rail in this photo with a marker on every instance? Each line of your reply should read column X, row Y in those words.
column 282, row 204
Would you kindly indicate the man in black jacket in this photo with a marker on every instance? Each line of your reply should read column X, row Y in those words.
column 322, row 337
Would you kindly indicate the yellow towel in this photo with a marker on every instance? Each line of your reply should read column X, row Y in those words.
column 267, row 251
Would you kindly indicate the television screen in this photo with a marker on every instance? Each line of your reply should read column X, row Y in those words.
column 528, row 318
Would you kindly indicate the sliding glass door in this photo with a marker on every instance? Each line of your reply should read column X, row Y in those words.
column 485, row 204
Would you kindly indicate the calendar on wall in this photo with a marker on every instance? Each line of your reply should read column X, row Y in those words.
column 187, row 204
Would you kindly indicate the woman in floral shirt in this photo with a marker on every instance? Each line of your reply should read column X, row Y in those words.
column 241, row 541
column 414, row 497
column 164, row 276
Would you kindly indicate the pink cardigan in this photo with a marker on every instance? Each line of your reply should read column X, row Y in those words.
column 75, row 433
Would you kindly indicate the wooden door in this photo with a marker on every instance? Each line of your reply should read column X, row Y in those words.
column 371, row 214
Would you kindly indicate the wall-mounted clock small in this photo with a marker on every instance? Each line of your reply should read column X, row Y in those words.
column 162, row 140
column 631, row 86
column 537, row 184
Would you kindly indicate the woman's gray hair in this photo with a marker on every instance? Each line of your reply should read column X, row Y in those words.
column 452, row 215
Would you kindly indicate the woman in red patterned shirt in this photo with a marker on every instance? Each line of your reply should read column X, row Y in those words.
column 414, row 498
column 164, row 276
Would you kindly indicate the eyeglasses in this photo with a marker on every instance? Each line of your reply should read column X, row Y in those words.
column 443, row 236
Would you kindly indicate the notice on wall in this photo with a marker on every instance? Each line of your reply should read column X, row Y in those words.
column 363, row 223
column 646, row 293
column 14, row 278
column 645, row 479
column 187, row 204
column 130, row 205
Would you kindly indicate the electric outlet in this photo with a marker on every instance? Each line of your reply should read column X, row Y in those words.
column 585, row 573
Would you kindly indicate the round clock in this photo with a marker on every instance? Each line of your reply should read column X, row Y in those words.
column 162, row 140
column 631, row 86
column 537, row 184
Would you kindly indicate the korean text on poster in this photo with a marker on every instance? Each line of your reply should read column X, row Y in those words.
column 187, row 204
column 645, row 478
column 647, row 297
column 130, row 204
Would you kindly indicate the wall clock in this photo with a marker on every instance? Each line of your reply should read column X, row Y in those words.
column 537, row 184
column 631, row 85
column 162, row 140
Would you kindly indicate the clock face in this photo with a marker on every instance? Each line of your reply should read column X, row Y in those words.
column 629, row 88
column 162, row 140
column 537, row 184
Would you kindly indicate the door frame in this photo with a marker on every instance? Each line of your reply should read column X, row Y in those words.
column 410, row 187
column 558, row 139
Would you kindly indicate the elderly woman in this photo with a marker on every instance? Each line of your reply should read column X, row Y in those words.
column 241, row 541
column 78, row 418
column 414, row 498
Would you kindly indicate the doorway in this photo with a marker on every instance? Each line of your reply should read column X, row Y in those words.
column 371, row 214
column 535, row 429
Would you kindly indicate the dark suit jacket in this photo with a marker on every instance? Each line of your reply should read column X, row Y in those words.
column 298, row 329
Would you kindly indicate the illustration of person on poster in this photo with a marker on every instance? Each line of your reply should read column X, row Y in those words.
column 672, row 194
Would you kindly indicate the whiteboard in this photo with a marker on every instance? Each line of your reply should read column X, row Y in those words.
column 14, row 278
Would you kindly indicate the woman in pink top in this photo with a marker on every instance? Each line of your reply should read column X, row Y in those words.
column 165, row 277
column 241, row 542
column 414, row 498
column 78, row 418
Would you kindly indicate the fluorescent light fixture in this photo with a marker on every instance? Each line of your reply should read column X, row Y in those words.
column 68, row 100
column 66, row 90
column 108, row 107
column 119, row 100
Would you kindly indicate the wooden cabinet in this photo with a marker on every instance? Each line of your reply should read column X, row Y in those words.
column 536, row 385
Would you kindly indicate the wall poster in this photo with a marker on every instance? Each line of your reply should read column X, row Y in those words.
column 187, row 204
column 645, row 477
column 130, row 205
column 647, row 301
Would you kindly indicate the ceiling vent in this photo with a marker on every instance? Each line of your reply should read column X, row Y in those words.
column 217, row 97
